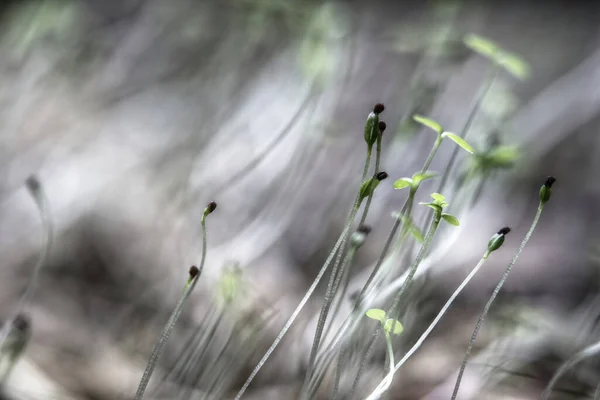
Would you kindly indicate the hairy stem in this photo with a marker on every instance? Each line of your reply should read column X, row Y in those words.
column 491, row 300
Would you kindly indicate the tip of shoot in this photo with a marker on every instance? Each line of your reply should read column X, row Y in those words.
column 504, row 231
column 194, row 271
column 365, row 229
column 33, row 184
column 382, row 126
column 550, row 181
column 381, row 176
column 378, row 109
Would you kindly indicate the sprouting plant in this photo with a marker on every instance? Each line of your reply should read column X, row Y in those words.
column 499, row 59
column 510, row 62
column 194, row 275
column 14, row 345
column 545, row 194
column 494, row 244
column 436, row 127
column 389, row 326
column 402, row 216
column 366, row 190
column 36, row 191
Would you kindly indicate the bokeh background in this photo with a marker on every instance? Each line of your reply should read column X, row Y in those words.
column 134, row 114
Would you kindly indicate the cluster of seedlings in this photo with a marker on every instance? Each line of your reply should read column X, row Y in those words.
column 332, row 352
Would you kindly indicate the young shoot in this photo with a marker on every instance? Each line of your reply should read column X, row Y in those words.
column 14, row 345
column 441, row 135
column 37, row 193
column 366, row 190
column 544, row 195
column 389, row 326
column 193, row 276
column 494, row 244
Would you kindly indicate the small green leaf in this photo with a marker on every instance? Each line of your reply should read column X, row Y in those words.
column 376, row 314
column 481, row 45
column 514, row 65
column 398, row 328
column 413, row 229
column 504, row 155
column 402, row 183
column 435, row 207
column 420, row 177
column 451, row 219
column 459, row 141
column 438, row 197
column 429, row 123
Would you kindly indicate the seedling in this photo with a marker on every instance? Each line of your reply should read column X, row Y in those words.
column 366, row 190
column 494, row 244
column 194, row 274
column 389, row 326
column 545, row 194
column 510, row 62
column 38, row 194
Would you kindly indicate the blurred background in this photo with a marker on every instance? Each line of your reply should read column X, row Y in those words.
column 134, row 114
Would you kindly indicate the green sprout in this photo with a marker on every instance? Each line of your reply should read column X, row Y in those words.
column 387, row 381
column 414, row 182
column 193, row 276
column 441, row 135
column 390, row 326
column 511, row 62
column 545, row 193
column 38, row 194
column 438, row 204
column 366, row 190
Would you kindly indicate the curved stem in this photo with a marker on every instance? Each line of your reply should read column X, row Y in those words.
column 491, row 300
column 41, row 201
column 164, row 337
column 385, row 384
column 335, row 274
column 330, row 293
column 487, row 84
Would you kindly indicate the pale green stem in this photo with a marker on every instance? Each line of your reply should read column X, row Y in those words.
column 385, row 384
column 298, row 309
column 332, row 286
column 491, row 300
column 329, row 294
column 166, row 333
column 41, row 201
column 164, row 337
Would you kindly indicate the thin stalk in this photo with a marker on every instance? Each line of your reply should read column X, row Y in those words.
column 406, row 211
column 363, row 363
column 491, row 300
column 164, row 337
column 487, row 84
column 299, row 308
column 390, row 350
column 166, row 333
column 38, row 194
column 434, row 150
column 413, row 268
column 332, row 286
column 385, row 384
column 324, row 313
